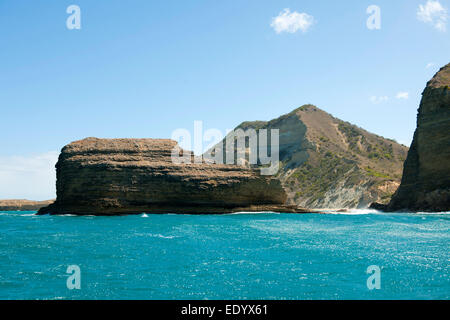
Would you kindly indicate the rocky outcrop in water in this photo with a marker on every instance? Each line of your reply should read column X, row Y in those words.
column 329, row 163
column 130, row 176
column 425, row 184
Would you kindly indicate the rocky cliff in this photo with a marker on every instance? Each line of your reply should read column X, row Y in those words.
column 328, row 163
column 425, row 184
column 23, row 205
column 126, row 176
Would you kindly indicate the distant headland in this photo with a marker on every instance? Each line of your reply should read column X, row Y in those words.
column 23, row 205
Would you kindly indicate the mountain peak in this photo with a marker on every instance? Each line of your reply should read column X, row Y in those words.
column 330, row 163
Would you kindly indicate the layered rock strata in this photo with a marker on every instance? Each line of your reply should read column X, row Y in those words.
column 130, row 176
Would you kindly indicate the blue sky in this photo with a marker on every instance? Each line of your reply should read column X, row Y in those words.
column 146, row 68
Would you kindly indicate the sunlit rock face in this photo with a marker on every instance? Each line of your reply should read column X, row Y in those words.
column 329, row 163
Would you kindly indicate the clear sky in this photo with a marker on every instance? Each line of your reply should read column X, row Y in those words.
column 145, row 68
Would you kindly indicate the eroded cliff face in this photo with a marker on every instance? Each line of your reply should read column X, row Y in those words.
column 126, row 176
column 425, row 184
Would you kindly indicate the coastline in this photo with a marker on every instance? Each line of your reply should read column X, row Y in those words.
column 193, row 210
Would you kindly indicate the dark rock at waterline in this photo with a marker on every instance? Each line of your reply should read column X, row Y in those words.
column 378, row 206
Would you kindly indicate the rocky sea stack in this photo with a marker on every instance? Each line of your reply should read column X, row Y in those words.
column 425, row 184
column 130, row 176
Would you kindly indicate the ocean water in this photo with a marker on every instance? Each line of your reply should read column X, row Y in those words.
column 238, row 256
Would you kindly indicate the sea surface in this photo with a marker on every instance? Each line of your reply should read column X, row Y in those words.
column 236, row 256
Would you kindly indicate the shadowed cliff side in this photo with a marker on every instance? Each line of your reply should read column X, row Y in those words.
column 425, row 183
column 130, row 176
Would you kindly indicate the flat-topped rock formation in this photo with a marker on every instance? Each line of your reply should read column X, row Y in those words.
column 130, row 176
column 22, row 205
column 425, row 183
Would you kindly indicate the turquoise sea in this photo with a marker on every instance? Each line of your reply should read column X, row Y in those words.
column 237, row 256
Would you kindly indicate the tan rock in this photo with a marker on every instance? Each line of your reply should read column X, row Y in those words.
column 128, row 176
column 23, row 205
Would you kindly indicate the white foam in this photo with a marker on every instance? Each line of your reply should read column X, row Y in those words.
column 157, row 235
column 435, row 213
column 164, row 237
column 351, row 211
